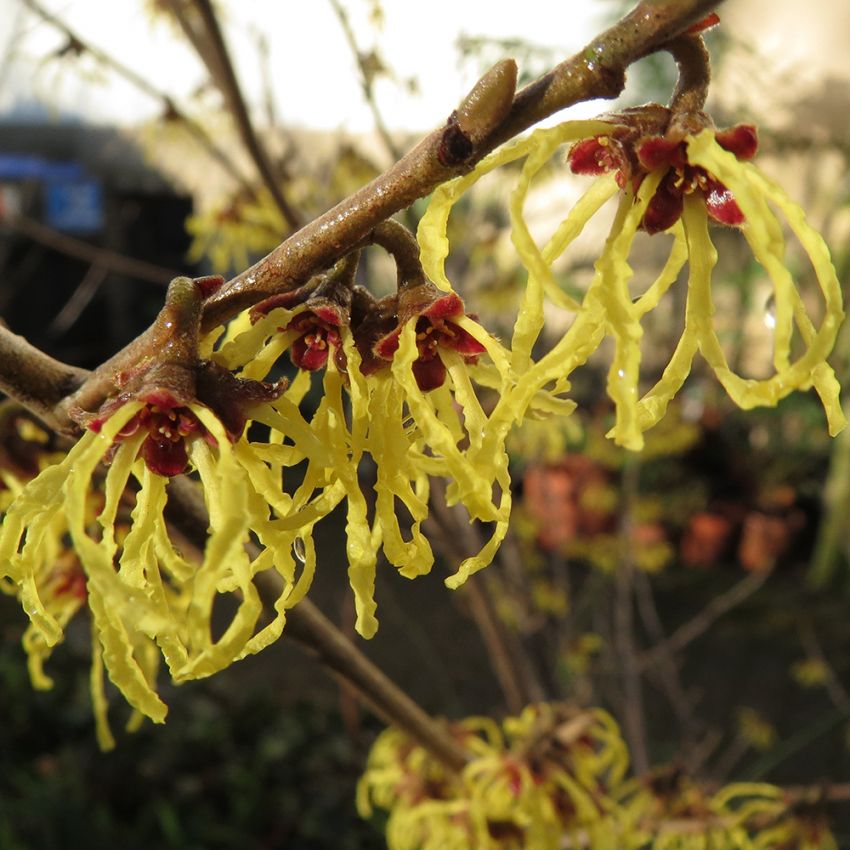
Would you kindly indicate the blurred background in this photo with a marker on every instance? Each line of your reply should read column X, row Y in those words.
column 698, row 591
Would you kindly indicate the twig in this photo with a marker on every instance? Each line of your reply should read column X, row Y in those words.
column 171, row 110
column 454, row 535
column 103, row 257
column 79, row 300
column 596, row 71
column 634, row 725
column 706, row 618
column 224, row 75
column 35, row 380
column 837, row 693
column 668, row 673
column 489, row 115
column 366, row 81
column 309, row 627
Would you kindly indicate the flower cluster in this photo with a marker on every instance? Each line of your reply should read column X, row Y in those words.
column 553, row 772
column 411, row 389
column 672, row 180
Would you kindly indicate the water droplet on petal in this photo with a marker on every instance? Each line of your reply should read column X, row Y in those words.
column 770, row 312
column 299, row 550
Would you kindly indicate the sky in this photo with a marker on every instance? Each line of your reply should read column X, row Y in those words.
column 311, row 65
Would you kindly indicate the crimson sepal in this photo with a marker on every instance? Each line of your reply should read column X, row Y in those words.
column 432, row 309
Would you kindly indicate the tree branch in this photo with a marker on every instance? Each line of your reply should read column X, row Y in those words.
column 102, row 257
column 712, row 612
column 224, row 75
column 35, row 380
column 172, row 111
column 309, row 627
column 596, row 71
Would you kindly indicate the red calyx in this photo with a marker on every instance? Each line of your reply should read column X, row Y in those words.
column 709, row 21
column 320, row 334
column 432, row 312
column 633, row 156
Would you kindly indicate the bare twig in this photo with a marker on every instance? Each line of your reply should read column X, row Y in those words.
column 487, row 117
column 634, row 725
column 837, row 693
column 309, row 627
column 453, row 535
column 366, row 81
column 171, row 110
column 213, row 51
column 706, row 618
column 104, row 258
column 596, row 71
column 668, row 673
column 79, row 300
column 35, row 380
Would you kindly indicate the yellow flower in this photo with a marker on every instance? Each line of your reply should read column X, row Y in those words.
column 530, row 781
column 693, row 176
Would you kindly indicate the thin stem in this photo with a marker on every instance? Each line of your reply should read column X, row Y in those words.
column 837, row 693
column 171, row 110
column 596, row 71
column 366, row 81
column 309, row 627
column 108, row 260
column 401, row 244
column 668, row 673
column 480, row 608
column 706, row 618
column 624, row 627
column 35, row 380
column 694, row 66
column 227, row 81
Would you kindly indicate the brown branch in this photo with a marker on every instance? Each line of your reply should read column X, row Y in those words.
column 401, row 244
column 706, row 618
column 35, row 380
column 837, row 693
column 454, row 534
column 634, row 725
column 366, row 81
column 171, row 110
column 668, row 673
column 489, row 115
column 692, row 61
column 218, row 61
column 104, row 258
column 597, row 71
column 310, row 628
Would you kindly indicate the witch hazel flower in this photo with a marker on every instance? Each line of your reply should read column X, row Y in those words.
column 667, row 171
column 648, row 139
column 316, row 330
column 435, row 316
column 172, row 413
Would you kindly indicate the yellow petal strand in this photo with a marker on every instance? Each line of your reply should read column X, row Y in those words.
column 124, row 670
column 395, row 475
column 763, row 233
column 97, row 688
column 226, row 563
column 469, row 485
column 138, row 552
column 285, row 418
column 362, row 554
column 431, row 233
column 115, row 485
column 669, row 274
column 702, row 258
column 529, row 320
column 472, row 565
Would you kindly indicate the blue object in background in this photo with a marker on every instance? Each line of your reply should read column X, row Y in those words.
column 75, row 206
